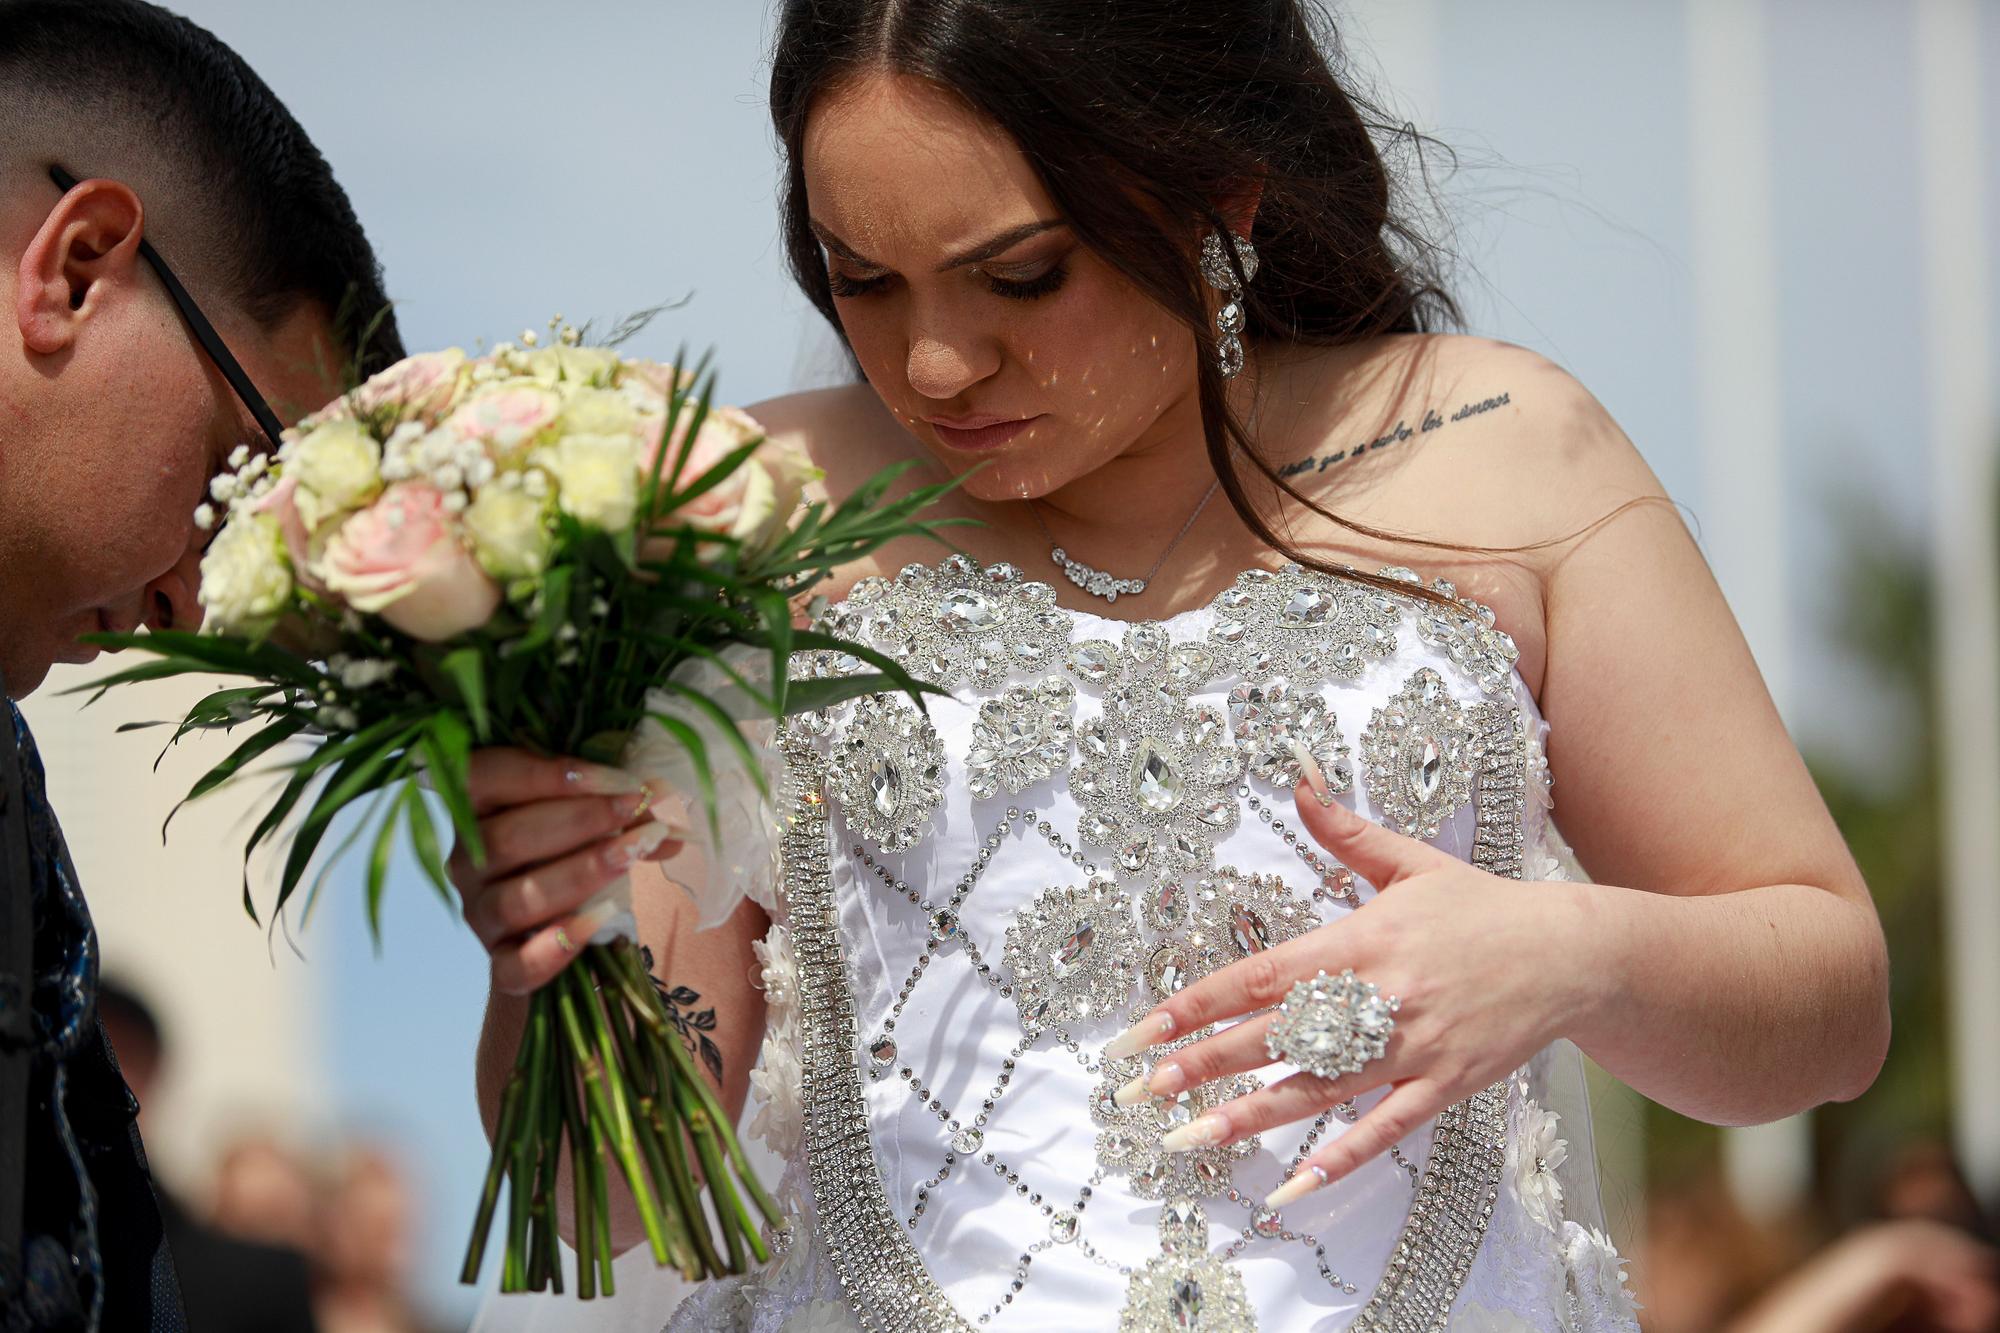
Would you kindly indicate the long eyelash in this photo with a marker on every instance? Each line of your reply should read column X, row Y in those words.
column 1033, row 288
column 842, row 285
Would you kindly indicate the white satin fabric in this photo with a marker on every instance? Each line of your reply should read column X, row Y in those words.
column 1534, row 1271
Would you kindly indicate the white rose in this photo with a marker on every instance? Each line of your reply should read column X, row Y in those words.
column 587, row 365
column 338, row 468
column 600, row 412
column 245, row 579
column 509, row 532
column 597, row 479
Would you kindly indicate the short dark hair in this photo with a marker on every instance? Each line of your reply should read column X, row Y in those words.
column 147, row 78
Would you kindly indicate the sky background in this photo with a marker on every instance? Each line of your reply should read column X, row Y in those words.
column 515, row 160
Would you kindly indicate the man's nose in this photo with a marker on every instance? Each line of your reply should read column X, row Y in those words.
column 173, row 600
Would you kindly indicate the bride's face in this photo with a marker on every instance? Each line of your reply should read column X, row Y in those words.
column 986, row 327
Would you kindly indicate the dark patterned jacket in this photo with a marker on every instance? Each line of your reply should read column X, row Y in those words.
column 80, row 1239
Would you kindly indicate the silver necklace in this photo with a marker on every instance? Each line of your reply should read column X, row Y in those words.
column 1100, row 583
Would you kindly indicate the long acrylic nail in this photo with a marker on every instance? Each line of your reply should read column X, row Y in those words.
column 1303, row 1182
column 1168, row 1078
column 635, row 845
column 1132, row 1093
column 1202, row 1132
column 1146, row 1032
column 1310, row 771
column 599, row 780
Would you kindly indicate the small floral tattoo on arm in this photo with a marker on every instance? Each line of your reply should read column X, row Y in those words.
column 693, row 1024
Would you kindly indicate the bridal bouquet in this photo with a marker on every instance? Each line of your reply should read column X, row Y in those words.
column 554, row 548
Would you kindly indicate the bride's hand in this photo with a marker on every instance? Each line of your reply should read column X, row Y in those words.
column 1487, row 971
column 555, row 832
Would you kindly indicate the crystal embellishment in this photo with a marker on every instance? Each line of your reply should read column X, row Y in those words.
column 888, row 771
column 1331, row 1026
column 1466, row 633
column 1301, row 624
column 1270, row 719
column 960, row 624
column 1500, row 756
column 1186, row 1292
column 1154, row 774
column 1021, row 738
column 1074, row 953
column 1236, row 915
column 1418, row 753
column 1128, row 1137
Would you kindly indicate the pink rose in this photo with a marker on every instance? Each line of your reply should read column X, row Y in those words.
column 422, row 387
column 505, row 419
column 278, row 502
column 755, row 501
column 402, row 558
column 661, row 379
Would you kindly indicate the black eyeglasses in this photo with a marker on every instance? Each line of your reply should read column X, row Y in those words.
column 204, row 332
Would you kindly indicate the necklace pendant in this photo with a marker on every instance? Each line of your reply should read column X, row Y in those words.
column 1095, row 581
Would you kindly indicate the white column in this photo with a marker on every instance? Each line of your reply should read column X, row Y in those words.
column 1965, row 556
column 1741, row 507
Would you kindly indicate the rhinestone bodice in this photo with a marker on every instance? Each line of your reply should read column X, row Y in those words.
column 1098, row 813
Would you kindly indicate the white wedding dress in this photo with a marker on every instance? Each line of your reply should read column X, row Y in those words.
column 973, row 902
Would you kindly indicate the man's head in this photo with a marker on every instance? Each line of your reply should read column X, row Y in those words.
column 112, row 418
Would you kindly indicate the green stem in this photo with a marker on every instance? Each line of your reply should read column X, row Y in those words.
column 645, row 1121
column 730, row 1212
column 610, row 1117
column 579, row 1180
column 712, row 1104
column 547, row 1268
column 674, row 1140
column 510, row 1106
column 520, row 1171
column 702, row 1126
column 600, row 1203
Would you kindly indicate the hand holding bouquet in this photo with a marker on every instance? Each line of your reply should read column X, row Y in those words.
column 565, row 551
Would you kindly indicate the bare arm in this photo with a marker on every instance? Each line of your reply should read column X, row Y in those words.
column 1740, row 974
column 549, row 849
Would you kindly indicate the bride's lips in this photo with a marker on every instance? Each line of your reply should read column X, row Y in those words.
column 982, row 432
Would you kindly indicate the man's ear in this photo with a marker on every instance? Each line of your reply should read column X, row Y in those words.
column 88, row 244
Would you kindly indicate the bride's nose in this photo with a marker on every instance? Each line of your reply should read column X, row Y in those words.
column 945, row 363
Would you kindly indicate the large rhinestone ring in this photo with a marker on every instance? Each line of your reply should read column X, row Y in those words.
column 1332, row 1025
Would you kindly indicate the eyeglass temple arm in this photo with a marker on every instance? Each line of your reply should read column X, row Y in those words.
column 204, row 332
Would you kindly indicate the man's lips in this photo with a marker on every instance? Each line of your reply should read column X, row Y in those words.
column 980, row 432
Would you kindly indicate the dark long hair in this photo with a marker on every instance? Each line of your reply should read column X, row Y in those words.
column 1177, row 105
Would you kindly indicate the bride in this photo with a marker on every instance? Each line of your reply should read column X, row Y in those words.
column 1209, row 958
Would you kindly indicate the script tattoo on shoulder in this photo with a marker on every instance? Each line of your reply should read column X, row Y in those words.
column 1433, row 419
column 693, row 1024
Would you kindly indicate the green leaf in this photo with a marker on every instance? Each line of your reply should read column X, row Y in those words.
column 777, row 614
column 220, row 653
column 726, row 726
column 378, row 865
column 447, row 747
column 269, row 738
column 359, row 774
column 716, row 475
column 808, row 695
column 333, row 859
column 467, row 670
column 423, row 837
column 704, row 776
column 553, row 615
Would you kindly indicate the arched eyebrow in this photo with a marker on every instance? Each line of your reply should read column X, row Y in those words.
column 978, row 254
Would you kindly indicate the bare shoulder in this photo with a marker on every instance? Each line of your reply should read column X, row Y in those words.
column 851, row 437
column 1460, row 440
column 845, row 430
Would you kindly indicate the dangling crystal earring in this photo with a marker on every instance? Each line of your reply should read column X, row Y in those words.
column 1229, row 319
